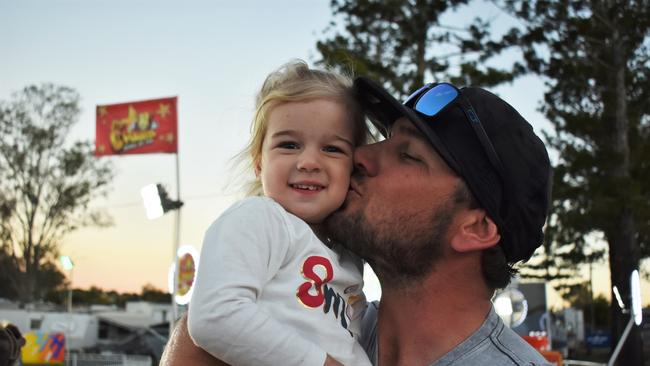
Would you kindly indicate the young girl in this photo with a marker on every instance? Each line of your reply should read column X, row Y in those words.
column 268, row 290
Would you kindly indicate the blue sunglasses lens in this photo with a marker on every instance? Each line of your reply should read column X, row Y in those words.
column 415, row 94
column 435, row 99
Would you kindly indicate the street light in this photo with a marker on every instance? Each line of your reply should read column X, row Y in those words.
column 68, row 265
column 635, row 287
column 157, row 203
column 636, row 315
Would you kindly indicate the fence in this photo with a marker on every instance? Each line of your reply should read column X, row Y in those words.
column 86, row 359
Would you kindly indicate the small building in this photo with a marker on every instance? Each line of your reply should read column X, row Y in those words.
column 141, row 328
column 80, row 330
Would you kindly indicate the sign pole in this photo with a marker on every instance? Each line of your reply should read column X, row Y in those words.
column 177, row 233
column 621, row 341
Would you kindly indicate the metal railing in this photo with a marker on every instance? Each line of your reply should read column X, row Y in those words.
column 88, row 359
column 582, row 363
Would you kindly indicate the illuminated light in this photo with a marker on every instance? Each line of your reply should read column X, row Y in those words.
column 503, row 306
column 188, row 257
column 66, row 262
column 512, row 307
column 635, row 288
column 524, row 313
column 152, row 203
column 170, row 278
column 618, row 297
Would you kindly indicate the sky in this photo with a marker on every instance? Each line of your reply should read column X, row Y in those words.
column 212, row 55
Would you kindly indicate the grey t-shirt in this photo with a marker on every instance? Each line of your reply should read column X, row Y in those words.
column 493, row 344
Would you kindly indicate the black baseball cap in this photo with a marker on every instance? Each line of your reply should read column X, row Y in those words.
column 516, row 194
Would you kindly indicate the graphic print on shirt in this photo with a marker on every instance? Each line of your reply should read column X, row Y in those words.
column 315, row 292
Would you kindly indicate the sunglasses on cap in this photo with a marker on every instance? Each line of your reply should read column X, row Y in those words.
column 432, row 99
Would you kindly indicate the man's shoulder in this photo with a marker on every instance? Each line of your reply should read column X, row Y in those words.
column 368, row 338
column 508, row 345
column 505, row 347
column 494, row 344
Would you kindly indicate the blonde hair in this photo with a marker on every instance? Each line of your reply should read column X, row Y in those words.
column 296, row 82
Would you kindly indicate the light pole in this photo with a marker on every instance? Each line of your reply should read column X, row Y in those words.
column 157, row 202
column 635, row 311
column 68, row 265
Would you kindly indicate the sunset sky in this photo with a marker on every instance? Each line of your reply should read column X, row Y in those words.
column 213, row 56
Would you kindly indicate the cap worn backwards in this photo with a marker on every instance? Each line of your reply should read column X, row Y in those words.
column 517, row 197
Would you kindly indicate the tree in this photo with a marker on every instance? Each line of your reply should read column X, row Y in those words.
column 595, row 309
column 380, row 41
column 399, row 43
column 594, row 58
column 98, row 296
column 152, row 294
column 46, row 185
column 7, row 269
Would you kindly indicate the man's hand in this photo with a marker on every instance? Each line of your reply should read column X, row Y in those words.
column 180, row 349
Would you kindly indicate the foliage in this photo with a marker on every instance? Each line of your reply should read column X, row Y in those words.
column 49, row 277
column 97, row 296
column 580, row 297
column 399, row 43
column 7, row 290
column 152, row 294
column 571, row 45
column 594, row 57
column 595, row 60
column 46, row 185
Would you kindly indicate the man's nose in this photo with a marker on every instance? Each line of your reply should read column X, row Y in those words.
column 365, row 160
column 308, row 161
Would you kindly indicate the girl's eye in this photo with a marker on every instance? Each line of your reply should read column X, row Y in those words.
column 288, row 145
column 332, row 149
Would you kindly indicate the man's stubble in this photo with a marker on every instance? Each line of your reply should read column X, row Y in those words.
column 401, row 248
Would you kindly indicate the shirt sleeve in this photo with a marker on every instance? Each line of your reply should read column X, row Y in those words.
column 242, row 251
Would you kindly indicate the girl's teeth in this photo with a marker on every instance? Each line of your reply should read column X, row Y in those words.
column 308, row 187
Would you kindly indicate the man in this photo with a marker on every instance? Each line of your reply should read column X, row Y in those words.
column 11, row 341
column 441, row 210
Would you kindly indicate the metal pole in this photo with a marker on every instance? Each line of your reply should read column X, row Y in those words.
column 177, row 232
column 70, row 291
column 621, row 341
column 549, row 331
column 591, row 302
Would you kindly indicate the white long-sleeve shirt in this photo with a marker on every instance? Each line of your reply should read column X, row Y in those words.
column 269, row 292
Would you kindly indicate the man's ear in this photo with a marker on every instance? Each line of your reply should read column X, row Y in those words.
column 475, row 231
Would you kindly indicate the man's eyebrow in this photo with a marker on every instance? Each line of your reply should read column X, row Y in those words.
column 411, row 131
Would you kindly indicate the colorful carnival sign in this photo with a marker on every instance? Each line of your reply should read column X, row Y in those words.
column 187, row 263
column 43, row 348
column 143, row 127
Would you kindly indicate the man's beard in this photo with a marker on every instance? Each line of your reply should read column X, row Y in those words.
column 400, row 251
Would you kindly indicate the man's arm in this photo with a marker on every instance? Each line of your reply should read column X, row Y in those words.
column 180, row 349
